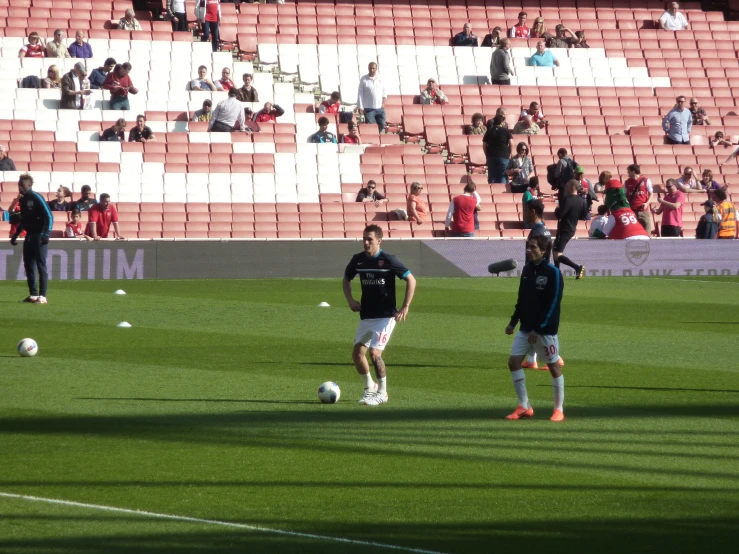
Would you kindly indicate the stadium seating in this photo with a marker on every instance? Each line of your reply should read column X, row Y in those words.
column 604, row 103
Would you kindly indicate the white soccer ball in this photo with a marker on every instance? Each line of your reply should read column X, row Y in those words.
column 329, row 392
column 27, row 347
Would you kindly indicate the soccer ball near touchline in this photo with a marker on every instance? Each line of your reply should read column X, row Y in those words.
column 329, row 392
column 27, row 347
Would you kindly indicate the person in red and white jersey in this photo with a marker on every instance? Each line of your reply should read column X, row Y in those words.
column 520, row 30
column 209, row 13
column 639, row 194
column 332, row 105
column 75, row 228
column 622, row 223
column 460, row 218
column 536, row 114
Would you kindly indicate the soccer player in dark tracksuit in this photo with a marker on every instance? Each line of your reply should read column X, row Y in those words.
column 37, row 221
column 539, row 299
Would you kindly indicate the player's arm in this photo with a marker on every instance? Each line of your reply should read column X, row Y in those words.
column 410, row 289
column 517, row 310
column 551, row 297
column 346, row 284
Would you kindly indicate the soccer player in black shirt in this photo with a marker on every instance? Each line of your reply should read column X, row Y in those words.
column 377, row 312
column 572, row 209
column 538, row 307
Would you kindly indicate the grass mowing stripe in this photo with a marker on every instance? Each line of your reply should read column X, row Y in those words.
column 256, row 528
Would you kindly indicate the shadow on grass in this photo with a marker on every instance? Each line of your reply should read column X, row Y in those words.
column 605, row 536
column 660, row 389
column 238, row 401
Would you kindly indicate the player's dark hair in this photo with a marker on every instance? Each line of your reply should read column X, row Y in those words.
column 602, row 209
column 25, row 178
column 231, row 90
column 104, row 196
column 322, row 121
column 470, row 187
column 498, row 120
column 635, row 168
column 109, row 61
column 376, row 229
column 720, row 194
column 562, row 152
column 535, row 205
column 371, row 182
column 534, row 182
column 544, row 243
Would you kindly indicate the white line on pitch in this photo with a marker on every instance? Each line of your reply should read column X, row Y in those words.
column 215, row 522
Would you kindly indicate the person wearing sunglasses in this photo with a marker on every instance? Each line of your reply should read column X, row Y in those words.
column 687, row 182
column 371, row 194
column 677, row 123
column 520, row 167
column 698, row 113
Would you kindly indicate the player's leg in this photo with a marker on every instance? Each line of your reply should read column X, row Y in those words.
column 519, row 349
column 548, row 346
column 359, row 356
column 29, row 263
column 382, row 331
column 43, row 275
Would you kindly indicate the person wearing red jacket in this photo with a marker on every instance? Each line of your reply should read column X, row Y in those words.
column 639, row 194
column 119, row 84
column 210, row 15
column 270, row 113
column 462, row 212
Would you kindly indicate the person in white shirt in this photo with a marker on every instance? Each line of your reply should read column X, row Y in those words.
column 598, row 222
column 202, row 82
column 227, row 113
column 673, row 20
column 371, row 97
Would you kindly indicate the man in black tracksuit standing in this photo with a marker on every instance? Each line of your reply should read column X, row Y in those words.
column 572, row 208
column 539, row 300
column 37, row 221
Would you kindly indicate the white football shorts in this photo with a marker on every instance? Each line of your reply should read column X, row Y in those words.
column 546, row 348
column 375, row 333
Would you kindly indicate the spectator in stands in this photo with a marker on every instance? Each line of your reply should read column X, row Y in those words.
column 116, row 133
column 79, row 48
column 539, row 30
column 501, row 112
column 35, row 47
column 414, row 205
column 534, row 110
column 352, row 137
column 526, row 126
column 603, row 179
column 465, row 38
column 119, row 84
column 228, row 114
column 370, row 194
column 709, row 223
column 248, row 93
column 250, row 126
column 205, row 113
column 638, row 191
column 76, row 229
column 98, row 75
column 128, row 22
column 698, row 113
column 677, row 123
column 728, row 228
column 73, row 88
column 719, row 140
column 708, row 183
column 586, row 189
column 177, row 13
column 61, row 204
column 102, row 216
column 211, row 17
column 87, row 199
column 501, row 67
column 532, row 191
column 687, row 182
column 142, row 132
column 270, row 112
column 520, row 30
column 543, row 57
column 478, row 125
column 432, row 94
column 460, row 218
column 599, row 222
column 371, row 97
column 53, row 78
column 6, row 164
column 498, row 146
column 579, row 41
column 560, row 39
column 492, row 40
column 520, row 166
column 672, row 20
column 332, row 104
column 225, row 82
column 323, row 135
column 56, row 48
column 671, row 208
column 564, row 171
column 202, row 83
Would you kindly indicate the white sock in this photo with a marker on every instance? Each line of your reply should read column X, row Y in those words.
column 531, row 358
column 519, row 383
column 558, row 386
column 382, row 385
column 367, row 380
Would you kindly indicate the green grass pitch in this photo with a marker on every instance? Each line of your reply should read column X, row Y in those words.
column 206, row 408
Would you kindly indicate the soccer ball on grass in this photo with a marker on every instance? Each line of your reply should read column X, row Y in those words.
column 329, row 392
column 27, row 347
